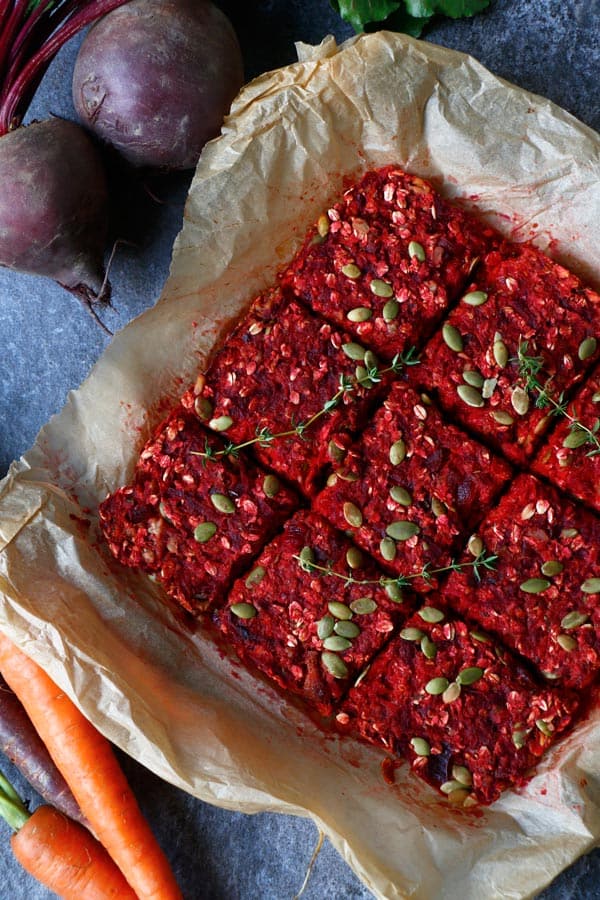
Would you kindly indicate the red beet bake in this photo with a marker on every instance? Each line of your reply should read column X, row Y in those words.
column 387, row 260
column 352, row 441
column 465, row 713
column 310, row 632
column 543, row 597
column 193, row 524
column 413, row 487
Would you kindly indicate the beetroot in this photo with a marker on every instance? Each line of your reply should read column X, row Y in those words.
column 53, row 206
column 53, row 203
column 155, row 78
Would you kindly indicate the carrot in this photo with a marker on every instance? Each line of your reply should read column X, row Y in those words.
column 23, row 746
column 67, row 859
column 91, row 770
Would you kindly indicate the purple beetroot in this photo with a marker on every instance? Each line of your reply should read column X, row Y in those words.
column 155, row 79
column 53, row 201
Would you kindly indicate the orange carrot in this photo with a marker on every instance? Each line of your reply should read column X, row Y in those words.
column 91, row 770
column 67, row 859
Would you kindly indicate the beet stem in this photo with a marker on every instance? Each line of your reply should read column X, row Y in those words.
column 20, row 82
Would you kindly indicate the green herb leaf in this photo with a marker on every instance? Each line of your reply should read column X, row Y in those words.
column 409, row 16
column 359, row 12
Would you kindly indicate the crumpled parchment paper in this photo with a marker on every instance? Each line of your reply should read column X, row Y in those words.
column 170, row 698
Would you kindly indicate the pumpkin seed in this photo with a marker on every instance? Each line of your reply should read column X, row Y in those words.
column 416, row 251
column 397, row 452
column 381, row 288
column 400, row 495
column 387, row 548
column 390, row 310
column 339, row 610
column 402, row 530
column 577, row 437
column 452, row 337
column 204, row 531
column 359, row 314
column 567, row 642
column 371, row 361
column 544, row 727
column 438, row 507
column 431, row 614
column 596, row 397
column 336, row 643
column 489, row 386
column 452, row 693
column 346, row 629
column 480, row 636
column 271, row 485
column 437, row 686
column 334, row 664
column 569, row 533
column 221, row 423
column 469, row 675
column 535, row 585
column 428, row 648
column 352, row 514
column 587, row 348
column 475, row 298
column 462, row 774
column 325, row 627
column 469, row 395
column 461, row 797
column 354, row 558
column 256, row 576
column 518, row 738
column 591, row 586
column 500, row 351
column 350, row 270
column 573, row 619
column 363, row 606
column 475, row 379
column 307, row 558
column 223, row 503
column 335, row 453
column 203, row 407
column 354, row 351
column 323, row 225
column 502, row 417
column 450, row 786
column 420, row 746
column 394, row 592
column 552, row 567
column 520, row 401
column 412, row 634
column 475, row 545
column 243, row 610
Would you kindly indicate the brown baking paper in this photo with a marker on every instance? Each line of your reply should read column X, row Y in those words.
column 168, row 697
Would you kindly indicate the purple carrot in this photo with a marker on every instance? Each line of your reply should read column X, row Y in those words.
column 21, row 744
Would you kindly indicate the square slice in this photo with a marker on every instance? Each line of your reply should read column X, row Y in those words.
column 543, row 596
column 278, row 375
column 523, row 322
column 570, row 457
column 465, row 713
column 412, row 488
column 191, row 523
column 387, row 259
column 310, row 632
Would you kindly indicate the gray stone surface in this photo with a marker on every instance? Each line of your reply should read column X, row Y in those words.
column 49, row 344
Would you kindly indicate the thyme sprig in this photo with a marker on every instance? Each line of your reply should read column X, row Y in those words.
column 348, row 384
column 530, row 369
column 483, row 561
